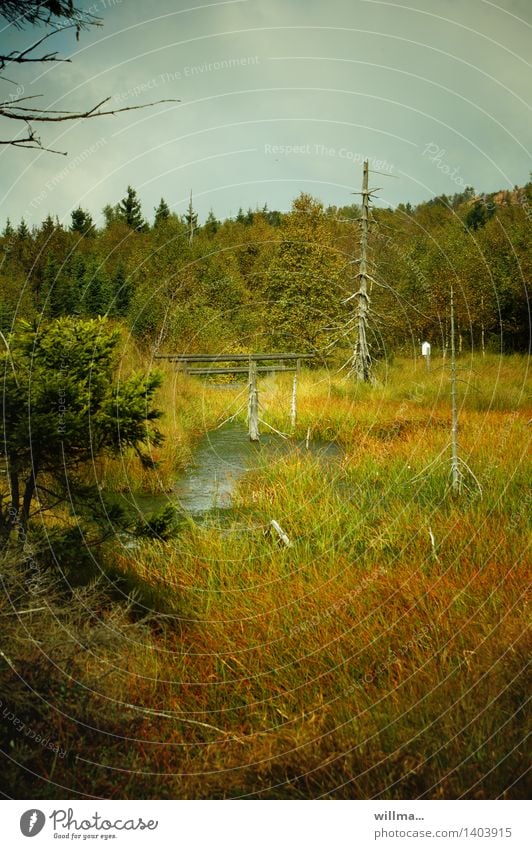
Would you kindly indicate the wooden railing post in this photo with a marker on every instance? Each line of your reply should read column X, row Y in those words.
column 253, row 403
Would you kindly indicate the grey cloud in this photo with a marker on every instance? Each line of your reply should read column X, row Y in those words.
column 341, row 80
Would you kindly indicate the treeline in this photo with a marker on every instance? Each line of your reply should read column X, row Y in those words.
column 271, row 279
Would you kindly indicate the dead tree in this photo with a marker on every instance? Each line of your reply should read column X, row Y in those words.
column 361, row 365
column 191, row 219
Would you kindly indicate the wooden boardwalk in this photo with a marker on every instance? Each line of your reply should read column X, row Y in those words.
column 216, row 364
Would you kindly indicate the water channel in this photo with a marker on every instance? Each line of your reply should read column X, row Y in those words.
column 220, row 460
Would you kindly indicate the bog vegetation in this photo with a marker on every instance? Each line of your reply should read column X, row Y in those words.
column 383, row 653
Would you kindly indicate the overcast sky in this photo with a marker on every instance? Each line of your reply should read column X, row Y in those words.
column 278, row 97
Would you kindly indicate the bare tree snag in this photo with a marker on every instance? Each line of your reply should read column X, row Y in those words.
column 361, row 356
column 191, row 219
column 253, row 404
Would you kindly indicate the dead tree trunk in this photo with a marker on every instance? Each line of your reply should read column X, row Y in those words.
column 361, row 356
column 253, row 404
column 191, row 219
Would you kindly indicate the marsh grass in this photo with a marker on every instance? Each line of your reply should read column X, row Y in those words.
column 187, row 414
column 368, row 660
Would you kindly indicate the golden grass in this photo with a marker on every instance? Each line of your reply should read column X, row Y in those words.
column 382, row 655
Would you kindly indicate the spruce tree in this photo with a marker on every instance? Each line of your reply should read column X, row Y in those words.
column 97, row 295
column 64, row 372
column 8, row 230
column 111, row 214
column 82, row 222
column 22, row 230
column 162, row 213
column 130, row 211
column 122, row 292
column 47, row 227
column 50, row 286
column 212, row 224
column 76, row 276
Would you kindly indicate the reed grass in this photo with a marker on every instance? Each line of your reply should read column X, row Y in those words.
column 382, row 655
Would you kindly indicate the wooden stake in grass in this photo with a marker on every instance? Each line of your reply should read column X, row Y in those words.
column 456, row 472
column 293, row 408
column 253, row 403
column 458, row 466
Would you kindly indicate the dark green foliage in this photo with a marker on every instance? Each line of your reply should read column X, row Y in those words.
column 162, row 213
column 130, row 211
column 7, row 314
column 111, row 214
column 82, row 222
column 122, row 290
column 63, row 285
column 62, row 409
column 22, row 230
column 479, row 214
column 211, row 225
column 462, row 197
column 194, row 287
column 51, row 287
column 163, row 524
column 97, row 290
column 48, row 227
column 274, row 218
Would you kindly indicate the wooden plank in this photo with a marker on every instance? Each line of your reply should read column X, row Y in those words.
column 231, row 358
column 237, row 370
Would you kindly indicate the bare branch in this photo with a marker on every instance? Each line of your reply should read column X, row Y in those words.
column 32, row 12
column 19, row 100
column 21, row 57
column 32, row 142
column 44, row 115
